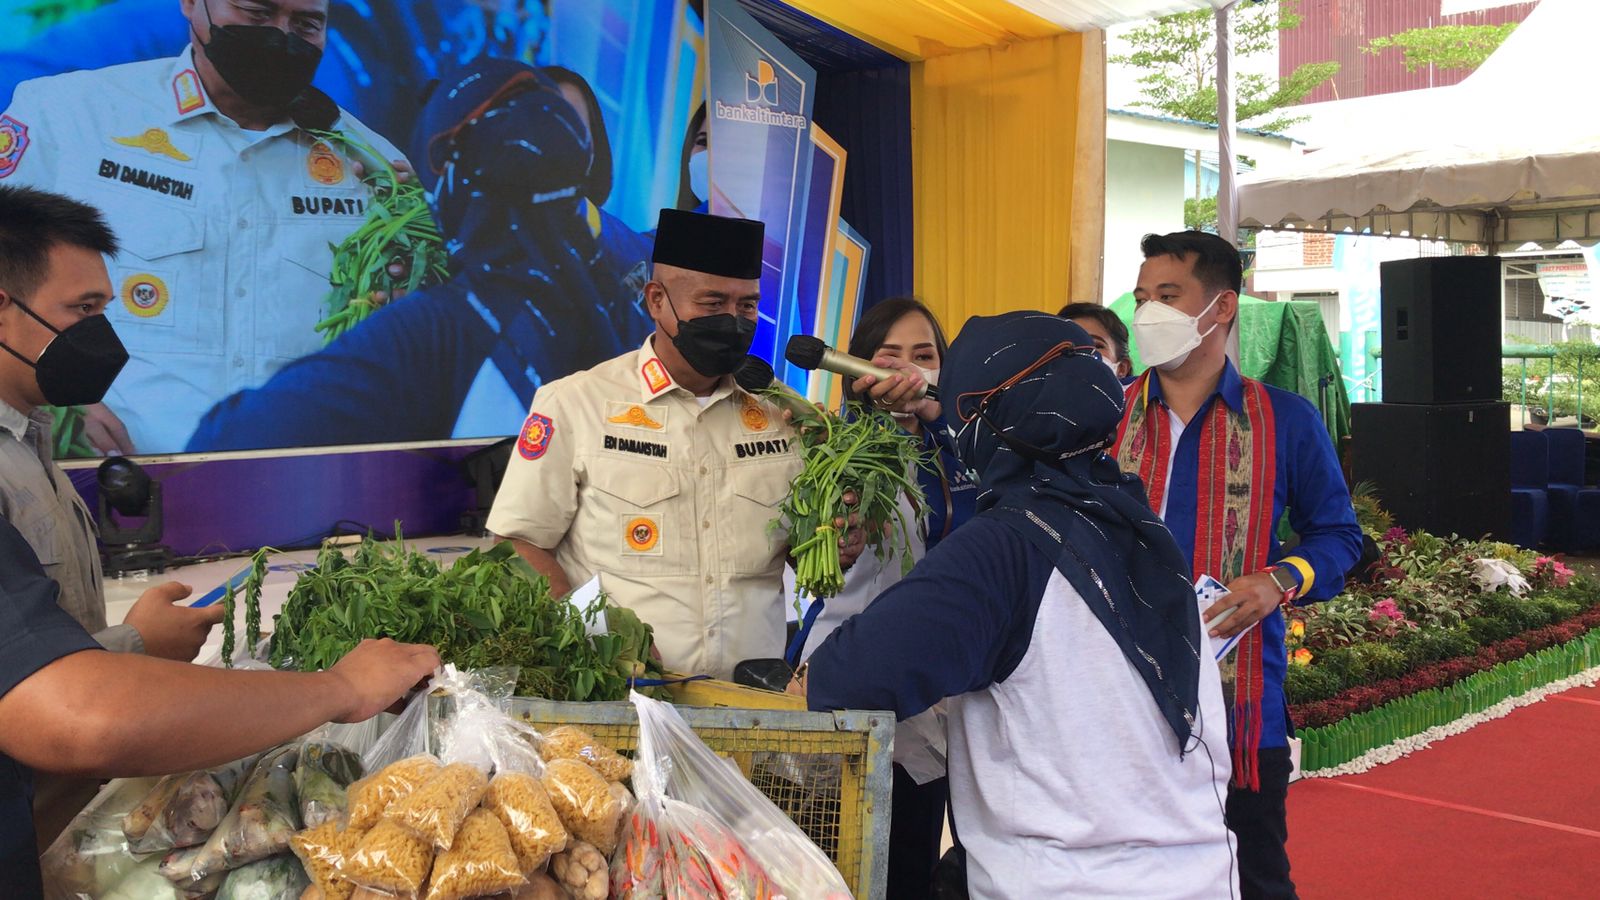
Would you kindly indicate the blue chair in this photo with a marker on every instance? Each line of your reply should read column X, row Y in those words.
column 1530, row 497
column 1567, row 449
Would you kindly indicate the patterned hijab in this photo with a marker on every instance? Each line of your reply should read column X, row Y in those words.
column 1037, row 409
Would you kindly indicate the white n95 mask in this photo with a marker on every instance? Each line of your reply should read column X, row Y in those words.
column 1166, row 336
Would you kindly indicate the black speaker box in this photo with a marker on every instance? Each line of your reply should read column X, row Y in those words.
column 1445, row 468
column 1441, row 329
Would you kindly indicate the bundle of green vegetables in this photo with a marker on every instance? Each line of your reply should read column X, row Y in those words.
column 397, row 249
column 866, row 455
column 68, row 429
column 490, row 609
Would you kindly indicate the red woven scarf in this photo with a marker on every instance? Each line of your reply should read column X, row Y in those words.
column 1233, row 522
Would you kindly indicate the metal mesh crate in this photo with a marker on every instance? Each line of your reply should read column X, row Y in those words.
column 828, row 772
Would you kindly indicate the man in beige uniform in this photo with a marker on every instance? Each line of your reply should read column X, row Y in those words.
column 656, row 472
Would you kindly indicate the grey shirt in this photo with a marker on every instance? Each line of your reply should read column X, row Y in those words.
column 37, row 497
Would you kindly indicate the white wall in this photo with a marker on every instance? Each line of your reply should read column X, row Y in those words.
column 1144, row 194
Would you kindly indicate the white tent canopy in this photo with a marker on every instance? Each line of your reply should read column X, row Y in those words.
column 1499, row 158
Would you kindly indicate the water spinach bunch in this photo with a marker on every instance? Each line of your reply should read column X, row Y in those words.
column 864, row 454
column 489, row 609
column 397, row 250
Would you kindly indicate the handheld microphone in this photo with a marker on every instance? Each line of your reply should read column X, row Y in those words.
column 808, row 352
column 755, row 376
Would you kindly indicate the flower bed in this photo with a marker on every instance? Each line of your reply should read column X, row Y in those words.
column 1441, row 629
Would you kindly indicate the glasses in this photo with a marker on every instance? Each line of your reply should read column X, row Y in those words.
column 1064, row 348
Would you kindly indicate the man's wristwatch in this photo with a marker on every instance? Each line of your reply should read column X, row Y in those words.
column 1283, row 577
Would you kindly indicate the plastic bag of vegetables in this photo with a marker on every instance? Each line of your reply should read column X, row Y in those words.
column 744, row 838
column 277, row 878
column 322, row 776
column 92, row 855
column 261, row 822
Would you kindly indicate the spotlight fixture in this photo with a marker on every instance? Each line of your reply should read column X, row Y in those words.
column 128, row 492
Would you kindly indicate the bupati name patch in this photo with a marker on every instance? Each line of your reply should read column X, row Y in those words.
column 328, row 206
column 642, row 448
column 161, row 184
column 751, row 449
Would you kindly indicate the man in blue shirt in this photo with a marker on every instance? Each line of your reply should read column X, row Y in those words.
column 1223, row 459
column 69, row 707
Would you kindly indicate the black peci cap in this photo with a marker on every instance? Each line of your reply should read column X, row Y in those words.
column 715, row 245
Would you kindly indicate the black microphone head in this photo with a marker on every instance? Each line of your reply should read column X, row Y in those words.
column 805, row 351
column 755, row 375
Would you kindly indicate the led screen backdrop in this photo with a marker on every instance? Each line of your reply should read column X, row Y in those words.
column 224, row 275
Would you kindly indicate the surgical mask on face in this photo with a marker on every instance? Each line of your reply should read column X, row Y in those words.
column 1167, row 336
column 1112, row 365
column 714, row 345
column 264, row 65
column 700, row 175
column 79, row 364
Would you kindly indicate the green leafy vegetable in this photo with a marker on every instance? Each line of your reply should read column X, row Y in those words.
column 488, row 609
column 397, row 249
column 867, row 455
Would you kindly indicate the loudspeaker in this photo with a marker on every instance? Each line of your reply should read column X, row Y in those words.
column 1441, row 329
column 1445, row 468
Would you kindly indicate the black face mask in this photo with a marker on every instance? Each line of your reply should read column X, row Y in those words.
column 263, row 65
column 77, row 368
column 715, row 345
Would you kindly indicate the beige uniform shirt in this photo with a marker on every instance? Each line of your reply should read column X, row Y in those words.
column 622, row 473
column 227, row 235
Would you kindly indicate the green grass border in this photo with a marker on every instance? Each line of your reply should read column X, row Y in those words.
column 1350, row 738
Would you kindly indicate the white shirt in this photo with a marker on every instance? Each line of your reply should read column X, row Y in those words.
column 1175, row 429
column 1073, row 793
column 225, row 233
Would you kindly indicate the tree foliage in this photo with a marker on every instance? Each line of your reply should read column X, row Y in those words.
column 1179, row 54
column 1445, row 47
column 1201, row 214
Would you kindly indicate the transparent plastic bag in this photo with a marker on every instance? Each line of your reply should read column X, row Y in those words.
column 583, row 800
column 520, row 802
column 322, row 779
column 674, row 764
column 391, row 860
column 479, row 862
column 183, row 810
column 261, row 822
column 92, row 855
column 322, row 851
column 572, row 742
column 276, row 878
column 372, row 796
column 437, row 809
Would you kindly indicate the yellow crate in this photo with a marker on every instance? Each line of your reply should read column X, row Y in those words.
column 828, row 772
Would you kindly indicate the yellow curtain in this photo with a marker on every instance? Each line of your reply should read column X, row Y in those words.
column 994, row 154
column 994, row 136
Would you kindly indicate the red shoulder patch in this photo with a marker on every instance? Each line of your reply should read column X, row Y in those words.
column 535, row 438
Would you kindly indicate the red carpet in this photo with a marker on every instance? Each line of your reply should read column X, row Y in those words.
column 1511, row 809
